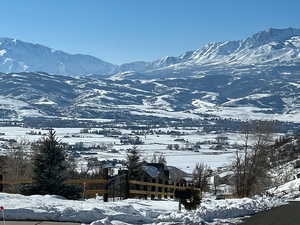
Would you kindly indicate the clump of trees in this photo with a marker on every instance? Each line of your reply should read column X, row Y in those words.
column 17, row 164
column 192, row 200
column 173, row 147
column 105, row 132
column 201, row 173
column 159, row 158
column 251, row 166
column 126, row 140
column 187, row 146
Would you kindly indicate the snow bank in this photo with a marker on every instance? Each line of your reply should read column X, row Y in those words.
column 55, row 208
column 212, row 210
column 289, row 190
column 132, row 211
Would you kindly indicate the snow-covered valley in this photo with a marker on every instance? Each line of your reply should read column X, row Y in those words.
column 184, row 158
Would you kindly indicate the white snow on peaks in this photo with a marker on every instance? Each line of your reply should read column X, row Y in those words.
column 45, row 101
column 297, row 85
column 202, row 104
column 2, row 52
column 232, row 102
column 268, row 48
column 34, row 57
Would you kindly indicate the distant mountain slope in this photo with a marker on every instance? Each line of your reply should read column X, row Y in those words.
column 259, row 96
column 267, row 49
column 19, row 56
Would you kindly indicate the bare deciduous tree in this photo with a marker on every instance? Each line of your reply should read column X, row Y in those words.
column 252, row 164
column 159, row 158
column 200, row 177
column 17, row 164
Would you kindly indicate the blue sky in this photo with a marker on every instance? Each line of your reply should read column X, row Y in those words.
column 122, row 31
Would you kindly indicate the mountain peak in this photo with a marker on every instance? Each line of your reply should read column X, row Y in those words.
column 272, row 34
column 20, row 56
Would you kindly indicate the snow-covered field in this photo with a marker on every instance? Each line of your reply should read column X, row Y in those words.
column 245, row 113
column 185, row 160
column 131, row 211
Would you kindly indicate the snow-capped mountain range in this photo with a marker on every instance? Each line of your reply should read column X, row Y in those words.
column 253, row 78
column 271, row 47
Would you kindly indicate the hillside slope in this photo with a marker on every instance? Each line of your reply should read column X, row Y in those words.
column 20, row 56
column 275, row 96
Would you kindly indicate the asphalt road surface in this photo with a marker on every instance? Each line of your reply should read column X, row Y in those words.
column 36, row 223
column 283, row 215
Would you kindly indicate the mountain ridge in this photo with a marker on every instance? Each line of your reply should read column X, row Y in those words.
column 20, row 56
column 265, row 47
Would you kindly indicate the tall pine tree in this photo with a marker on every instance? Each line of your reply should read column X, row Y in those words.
column 134, row 163
column 49, row 166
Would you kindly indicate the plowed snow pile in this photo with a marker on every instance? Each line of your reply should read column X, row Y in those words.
column 132, row 211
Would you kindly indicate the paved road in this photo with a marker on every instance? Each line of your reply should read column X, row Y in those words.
column 36, row 223
column 283, row 215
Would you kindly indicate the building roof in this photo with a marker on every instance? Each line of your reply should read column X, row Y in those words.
column 152, row 171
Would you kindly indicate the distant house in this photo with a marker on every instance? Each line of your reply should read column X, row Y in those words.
column 225, row 189
column 128, row 140
column 223, row 183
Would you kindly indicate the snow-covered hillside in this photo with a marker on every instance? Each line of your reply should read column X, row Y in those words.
column 267, row 49
column 275, row 96
column 264, row 51
column 20, row 56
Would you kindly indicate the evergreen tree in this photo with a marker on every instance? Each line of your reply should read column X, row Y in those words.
column 134, row 163
column 49, row 166
column 193, row 202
